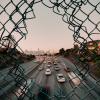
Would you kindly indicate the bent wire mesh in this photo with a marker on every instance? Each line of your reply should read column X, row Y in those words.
column 83, row 18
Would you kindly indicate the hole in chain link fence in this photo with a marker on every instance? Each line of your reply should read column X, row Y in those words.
column 83, row 18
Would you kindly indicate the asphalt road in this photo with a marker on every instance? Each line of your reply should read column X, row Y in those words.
column 7, row 82
column 74, row 87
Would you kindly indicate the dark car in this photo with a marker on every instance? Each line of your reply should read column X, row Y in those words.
column 56, row 68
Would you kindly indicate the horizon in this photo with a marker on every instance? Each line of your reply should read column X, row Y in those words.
column 45, row 51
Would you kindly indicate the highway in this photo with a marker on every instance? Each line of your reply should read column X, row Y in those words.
column 74, row 87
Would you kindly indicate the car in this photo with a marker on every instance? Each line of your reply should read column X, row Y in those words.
column 36, row 61
column 40, row 68
column 44, row 62
column 56, row 68
column 57, row 60
column 60, row 78
column 48, row 71
column 48, row 65
column 55, row 63
column 49, row 62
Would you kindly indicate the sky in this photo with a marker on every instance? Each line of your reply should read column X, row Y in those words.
column 47, row 31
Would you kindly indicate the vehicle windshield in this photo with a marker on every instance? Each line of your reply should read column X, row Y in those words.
column 60, row 76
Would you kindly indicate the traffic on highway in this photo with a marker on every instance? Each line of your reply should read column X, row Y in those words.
column 52, row 79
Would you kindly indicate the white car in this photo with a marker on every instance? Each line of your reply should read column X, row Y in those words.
column 55, row 63
column 40, row 68
column 49, row 62
column 60, row 78
column 48, row 71
column 48, row 65
column 44, row 62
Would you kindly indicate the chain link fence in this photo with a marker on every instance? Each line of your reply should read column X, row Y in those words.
column 83, row 18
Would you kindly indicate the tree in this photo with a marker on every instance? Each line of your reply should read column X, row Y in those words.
column 61, row 51
column 76, row 48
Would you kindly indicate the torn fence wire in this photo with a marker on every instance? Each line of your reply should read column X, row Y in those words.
column 83, row 18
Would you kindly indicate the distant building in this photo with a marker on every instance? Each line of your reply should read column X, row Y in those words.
column 40, row 52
